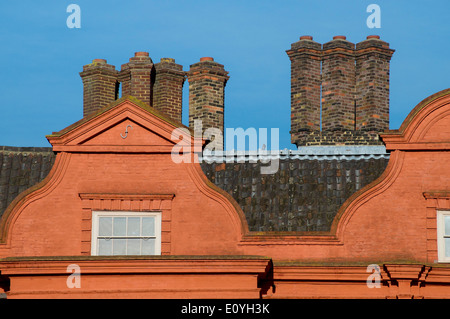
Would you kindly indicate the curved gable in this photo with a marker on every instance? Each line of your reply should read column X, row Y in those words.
column 425, row 128
column 120, row 160
column 390, row 217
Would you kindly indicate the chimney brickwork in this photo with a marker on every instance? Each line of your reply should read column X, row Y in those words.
column 354, row 85
column 207, row 80
column 100, row 85
column 338, row 85
column 305, row 56
column 339, row 90
column 372, row 84
column 168, row 88
column 136, row 77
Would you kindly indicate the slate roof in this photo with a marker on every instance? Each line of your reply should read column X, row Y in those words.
column 303, row 195
column 21, row 168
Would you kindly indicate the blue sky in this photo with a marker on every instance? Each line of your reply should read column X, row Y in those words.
column 41, row 57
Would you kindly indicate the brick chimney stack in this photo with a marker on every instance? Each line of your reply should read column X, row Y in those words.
column 305, row 56
column 136, row 77
column 338, row 85
column 372, row 84
column 207, row 80
column 354, row 83
column 100, row 85
column 168, row 88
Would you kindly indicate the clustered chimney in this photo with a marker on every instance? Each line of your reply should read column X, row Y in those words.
column 160, row 86
column 353, row 82
column 339, row 90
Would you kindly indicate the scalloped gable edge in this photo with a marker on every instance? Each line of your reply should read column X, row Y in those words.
column 392, row 138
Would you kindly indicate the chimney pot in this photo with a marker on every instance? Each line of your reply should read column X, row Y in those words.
column 340, row 37
column 206, row 59
column 373, row 37
column 306, row 37
column 102, row 61
column 141, row 54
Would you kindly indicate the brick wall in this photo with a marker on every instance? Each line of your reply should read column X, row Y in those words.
column 303, row 195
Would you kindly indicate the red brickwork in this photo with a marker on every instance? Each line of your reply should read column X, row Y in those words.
column 136, row 77
column 207, row 80
column 305, row 56
column 168, row 88
column 391, row 222
column 372, row 84
column 100, row 85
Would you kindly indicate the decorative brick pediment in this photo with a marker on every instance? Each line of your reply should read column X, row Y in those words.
column 127, row 125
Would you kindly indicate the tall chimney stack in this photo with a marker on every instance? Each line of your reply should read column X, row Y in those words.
column 354, row 84
column 372, row 84
column 168, row 88
column 338, row 85
column 305, row 56
column 207, row 80
column 136, row 77
column 100, row 85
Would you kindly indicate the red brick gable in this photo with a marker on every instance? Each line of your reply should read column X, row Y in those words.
column 135, row 173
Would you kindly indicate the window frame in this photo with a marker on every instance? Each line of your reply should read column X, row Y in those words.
column 441, row 235
column 95, row 228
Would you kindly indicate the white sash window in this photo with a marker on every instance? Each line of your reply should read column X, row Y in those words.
column 443, row 234
column 126, row 233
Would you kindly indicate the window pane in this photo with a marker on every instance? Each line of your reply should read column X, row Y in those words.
column 134, row 246
column 119, row 228
column 148, row 226
column 119, row 246
column 134, row 226
column 447, row 225
column 447, row 247
column 148, row 246
column 104, row 247
column 105, row 226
